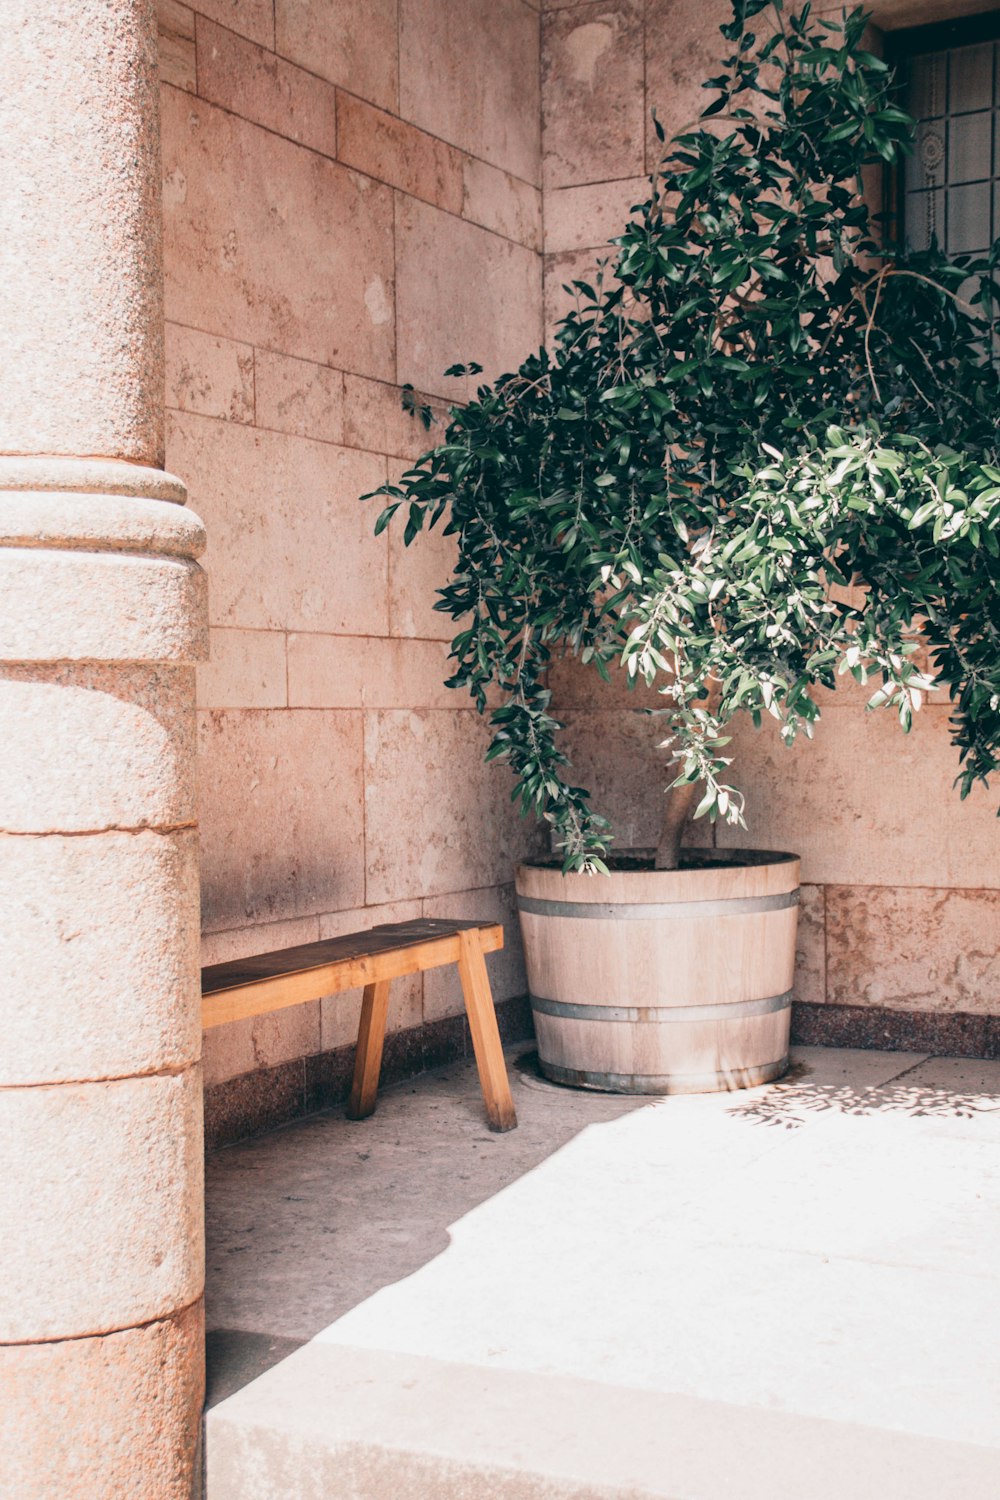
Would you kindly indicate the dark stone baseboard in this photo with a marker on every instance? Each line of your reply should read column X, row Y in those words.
column 954, row 1034
column 260, row 1101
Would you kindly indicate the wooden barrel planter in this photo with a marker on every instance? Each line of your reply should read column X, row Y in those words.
column 662, row 981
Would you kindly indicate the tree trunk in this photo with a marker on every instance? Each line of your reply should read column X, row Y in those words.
column 679, row 806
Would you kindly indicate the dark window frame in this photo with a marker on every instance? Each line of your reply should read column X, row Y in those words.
column 913, row 41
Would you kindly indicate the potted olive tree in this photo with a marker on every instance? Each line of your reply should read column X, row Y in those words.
column 761, row 452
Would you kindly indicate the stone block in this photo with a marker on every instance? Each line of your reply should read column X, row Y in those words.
column 262, row 937
column 586, row 218
column 301, row 398
column 245, row 669
column 559, row 273
column 442, row 987
column 501, row 203
column 810, row 946
column 330, row 671
column 281, row 815
column 683, row 48
column 254, row 83
column 416, row 574
column 104, row 1184
column 175, row 24
column 99, row 954
column 273, row 244
column 93, row 1417
column 374, row 419
column 395, row 152
column 864, row 804
column 253, row 19
column 458, row 830
column 469, row 74
column 462, row 294
column 616, row 756
column 577, row 685
column 350, row 42
column 592, row 80
column 289, row 545
column 89, row 747
column 211, row 376
column 914, row 949
column 341, row 1013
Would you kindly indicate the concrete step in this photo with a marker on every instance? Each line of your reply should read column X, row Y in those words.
column 784, row 1294
column 339, row 1423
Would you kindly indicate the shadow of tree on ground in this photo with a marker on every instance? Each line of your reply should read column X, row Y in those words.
column 790, row 1103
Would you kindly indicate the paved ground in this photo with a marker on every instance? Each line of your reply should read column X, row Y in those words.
column 789, row 1293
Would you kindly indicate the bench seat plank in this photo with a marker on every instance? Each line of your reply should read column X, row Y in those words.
column 383, row 939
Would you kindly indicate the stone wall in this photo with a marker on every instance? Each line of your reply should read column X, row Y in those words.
column 352, row 201
column 900, row 925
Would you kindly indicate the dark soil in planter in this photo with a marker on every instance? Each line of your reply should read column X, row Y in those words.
column 691, row 859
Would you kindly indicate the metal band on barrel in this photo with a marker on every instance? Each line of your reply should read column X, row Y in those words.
column 723, row 1011
column 737, row 906
column 667, row 1083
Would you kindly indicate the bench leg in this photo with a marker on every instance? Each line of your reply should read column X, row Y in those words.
column 368, row 1056
column 485, row 1034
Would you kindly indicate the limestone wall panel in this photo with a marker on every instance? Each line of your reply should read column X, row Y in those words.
column 253, row 19
column 469, row 74
column 245, row 669
column 211, row 376
column 301, row 398
column 462, row 294
column 254, row 83
column 272, row 244
column 683, row 48
column 810, row 945
column 585, row 218
column 374, row 419
column 914, row 948
column 327, row 671
column 415, row 575
column 350, row 42
column 865, row 804
column 501, row 202
column 377, row 143
column 282, row 822
column 615, row 754
column 290, row 546
column 436, row 818
column 592, row 101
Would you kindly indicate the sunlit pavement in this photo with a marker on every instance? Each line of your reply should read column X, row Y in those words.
column 788, row 1293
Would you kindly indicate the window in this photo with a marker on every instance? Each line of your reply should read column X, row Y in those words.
column 950, row 82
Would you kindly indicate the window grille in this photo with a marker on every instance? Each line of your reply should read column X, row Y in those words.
column 950, row 187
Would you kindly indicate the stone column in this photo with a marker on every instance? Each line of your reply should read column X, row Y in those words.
column 102, row 617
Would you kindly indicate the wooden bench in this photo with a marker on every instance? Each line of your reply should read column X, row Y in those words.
column 253, row 986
